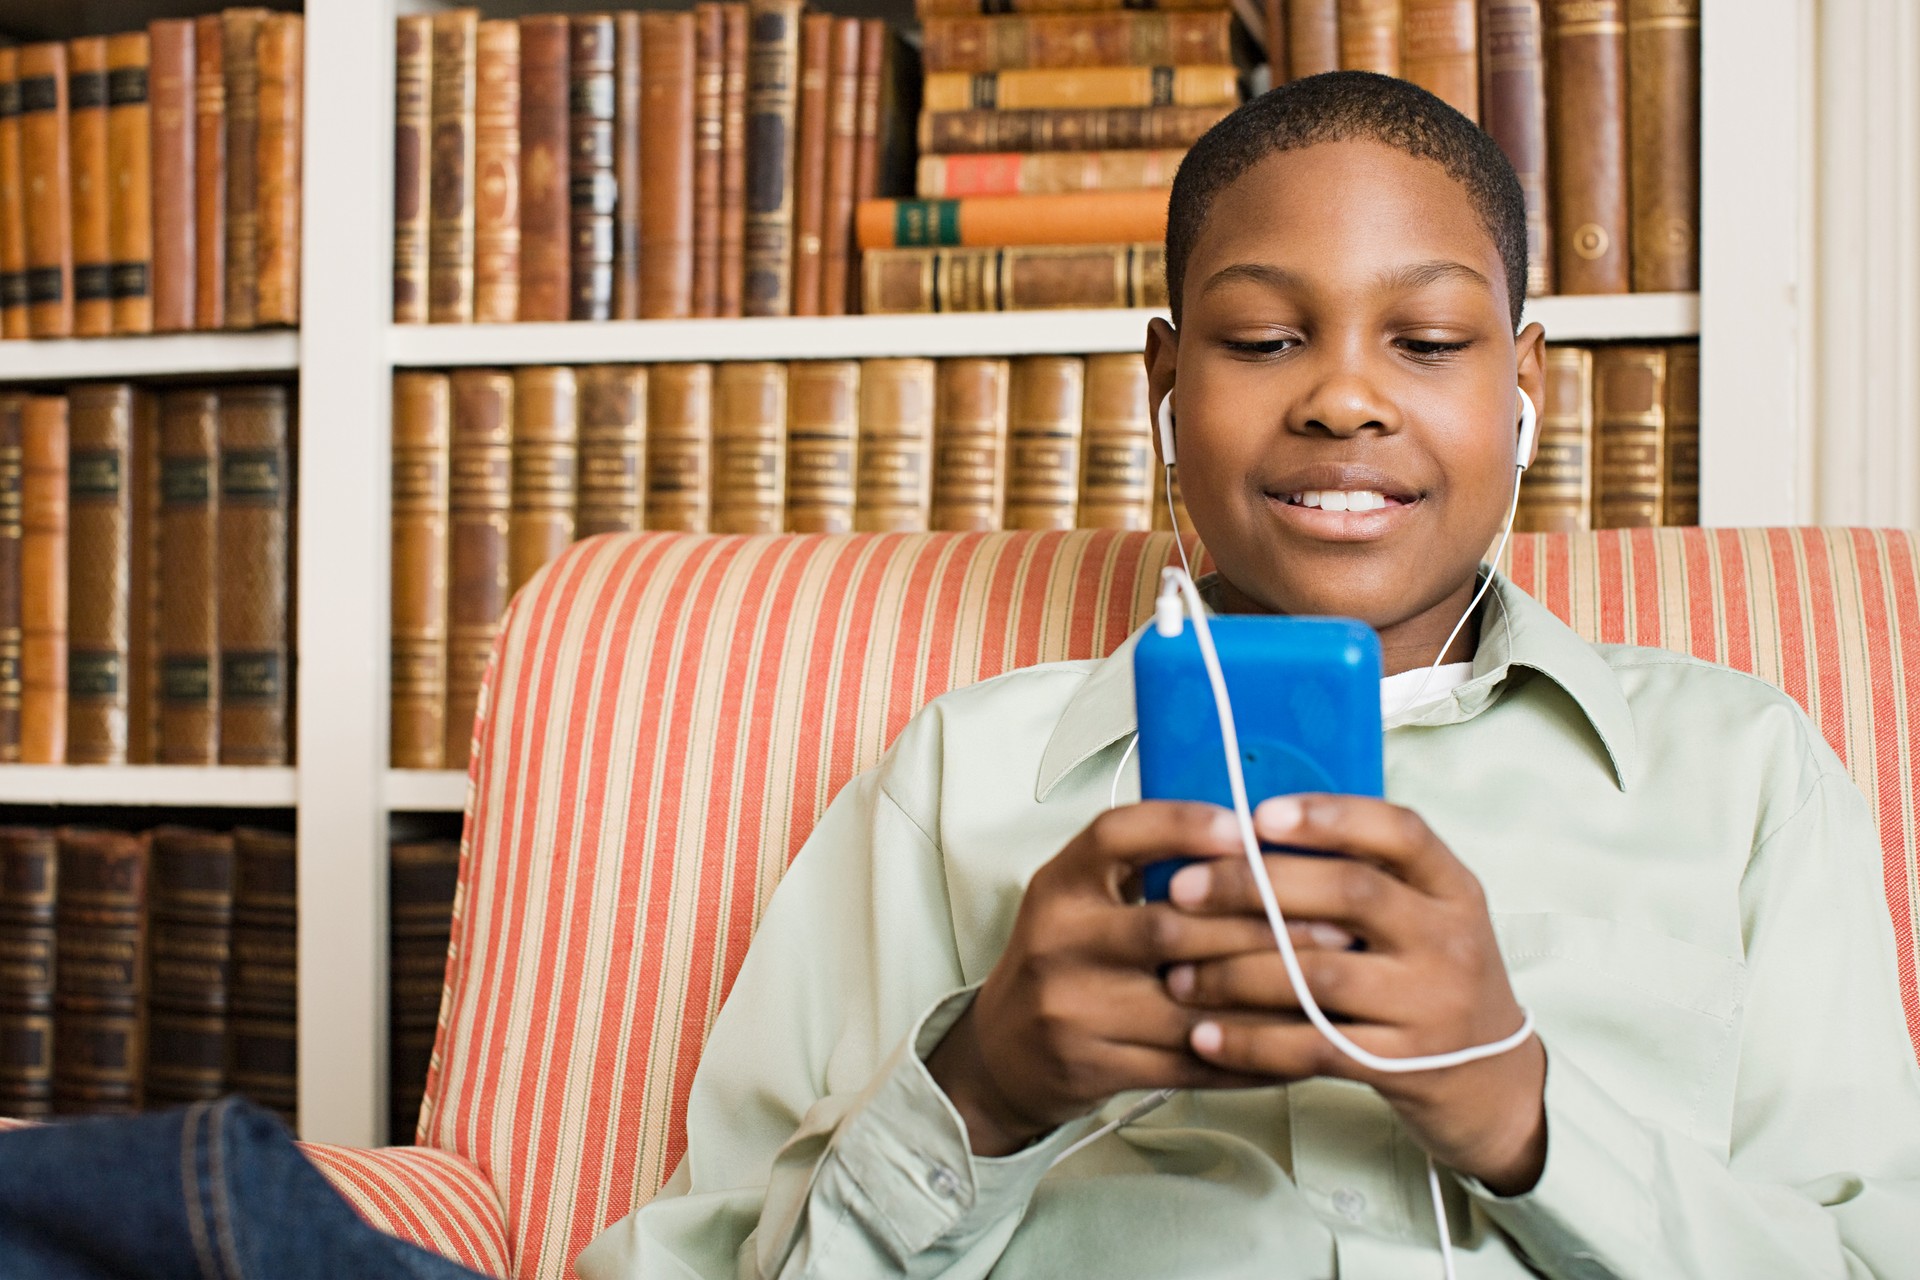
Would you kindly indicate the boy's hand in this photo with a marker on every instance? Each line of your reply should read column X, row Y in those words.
column 1430, row 980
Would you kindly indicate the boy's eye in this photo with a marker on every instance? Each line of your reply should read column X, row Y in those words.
column 1432, row 350
column 1264, row 347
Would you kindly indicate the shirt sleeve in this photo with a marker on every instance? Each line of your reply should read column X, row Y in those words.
column 1822, row 1178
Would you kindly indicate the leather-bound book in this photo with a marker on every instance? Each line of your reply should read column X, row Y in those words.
column 1066, row 129
column 92, row 187
column 773, row 88
column 893, row 486
column 613, row 444
column 189, row 535
column 479, row 498
column 1556, row 493
column 190, row 888
column 241, row 36
column 1682, row 501
column 546, row 452
column 13, row 216
column 823, row 428
column 450, row 161
column 209, row 172
column 1038, row 173
column 970, row 444
column 130, row 182
column 966, row 8
column 1630, row 436
column 422, row 441
column 47, row 189
column 99, row 547
column 496, row 169
column 1513, row 108
column 874, row 66
column 667, row 151
column 11, row 408
column 1587, row 144
column 1082, row 87
column 1021, row 278
column 170, row 89
column 29, row 866
column 100, row 972
column 810, row 163
column 1045, row 418
column 143, row 583
column 1663, row 120
column 422, row 877
column 1370, row 36
column 1439, row 51
column 1074, row 217
column 412, row 129
column 278, row 156
column 1274, row 13
column 843, row 144
column 1313, row 37
column 733, row 158
column 628, row 163
column 1119, row 39
column 545, row 279
column 256, row 492
column 750, row 447
column 709, row 143
column 263, row 993
column 1117, row 463
column 679, row 437
column 593, row 191
column 43, row 580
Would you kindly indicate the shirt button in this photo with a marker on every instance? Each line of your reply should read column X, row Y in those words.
column 941, row 1179
column 1349, row 1204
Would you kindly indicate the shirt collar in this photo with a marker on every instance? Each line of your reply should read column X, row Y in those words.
column 1516, row 631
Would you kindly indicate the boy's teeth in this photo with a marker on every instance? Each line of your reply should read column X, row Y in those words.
column 1341, row 499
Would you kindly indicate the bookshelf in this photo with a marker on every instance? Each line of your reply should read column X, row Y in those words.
column 1752, row 318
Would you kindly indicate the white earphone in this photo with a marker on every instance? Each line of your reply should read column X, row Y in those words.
column 1522, row 453
column 1165, row 418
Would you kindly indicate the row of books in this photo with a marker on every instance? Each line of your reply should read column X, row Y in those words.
column 1619, row 440
column 421, row 875
column 520, row 148
column 150, row 181
column 146, row 969
column 145, row 557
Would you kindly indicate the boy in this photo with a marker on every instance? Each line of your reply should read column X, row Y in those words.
column 1662, row 859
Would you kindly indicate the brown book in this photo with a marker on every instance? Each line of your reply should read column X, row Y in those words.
column 143, row 583
column 1066, row 129
column 1038, row 173
column 189, row 635
column 12, row 406
column 13, row 217
column 546, row 450
column 843, row 144
column 1117, row 464
column 422, row 877
column 417, row 700
column 262, row 995
column 750, row 447
column 1630, row 436
column 1274, row 13
column 47, row 191
column 91, row 182
column 496, row 168
column 278, row 161
column 893, row 487
column 170, row 143
column 1439, row 51
column 964, row 8
column 1556, row 493
column 823, row 428
column 773, row 87
column 241, row 29
column 709, row 145
column 594, row 195
column 628, row 163
column 479, row 498
column 43, row 580
column 130, row 183
column 1082, row 87
column 733, row 158
column 679, row 436
column 545, row 279
column 874, row 66
column 1313, row 37
column 100, row 469
column 1663, row 119
column 970, row 444
column 810, row 163
column 1120, row 39
column 1682, row 503
column 450, row 185
column 29, row 866
column 1513, row 98
column 1370, row 36
column 1045, row 416
column 1022, row 278
column 209, row 173
column 667, row 153
column 1587, row 122
column 256, row 492
column 1073, row 217
column 100, row 972
column 190, row 882
column 613, row 443
column 412, row 128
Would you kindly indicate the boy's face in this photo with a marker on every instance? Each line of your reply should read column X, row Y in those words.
column 1345, row 342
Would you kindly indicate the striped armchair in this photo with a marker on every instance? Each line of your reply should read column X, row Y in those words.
column 668, row 715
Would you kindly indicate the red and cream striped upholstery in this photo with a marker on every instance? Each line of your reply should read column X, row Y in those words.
column 668, row 715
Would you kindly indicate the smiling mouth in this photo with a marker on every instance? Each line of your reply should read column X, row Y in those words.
column 1360, row 500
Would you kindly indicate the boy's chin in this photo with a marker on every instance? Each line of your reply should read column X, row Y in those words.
column 1383, row 591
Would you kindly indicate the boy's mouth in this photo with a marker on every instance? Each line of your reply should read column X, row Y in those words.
column 1350, row 508
column 1342, row 499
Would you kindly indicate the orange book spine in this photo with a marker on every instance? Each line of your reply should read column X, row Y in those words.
column 209, row 173
column 43, row 580
column 496, row 174
column 13, row 217
column 1121, row 39
column 91, row 184
column 1370, row 36
column 1440, row 51
column 1039, row 173
column 810, row 163
column 242, row 29
column 709, row 152
column 282, row 77
column 1079, row 217
column 843, row 144
column 1117, row 466
column 1045, row 425
column 48, row 197
column 1082, row 87
column 733, row 158
column 130, row 172
column 170, row 90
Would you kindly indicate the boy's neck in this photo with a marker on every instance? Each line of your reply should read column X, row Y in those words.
column 1407, row 645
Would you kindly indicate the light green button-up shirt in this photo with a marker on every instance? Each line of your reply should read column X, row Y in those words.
column 1685, row 885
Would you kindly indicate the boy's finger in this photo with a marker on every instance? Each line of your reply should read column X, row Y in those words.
column 1121, row 840
column 1357, row 896
column 1256, row 1045
column 1358, row 985
column 1364, row 827
column 1154, row 935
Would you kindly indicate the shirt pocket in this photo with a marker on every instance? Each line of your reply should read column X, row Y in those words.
column 1651, row 1018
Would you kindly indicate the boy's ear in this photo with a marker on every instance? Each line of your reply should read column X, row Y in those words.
column 1163, row 349
column 1530, row 368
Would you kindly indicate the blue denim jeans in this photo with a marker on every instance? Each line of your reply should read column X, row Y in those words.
column 215, row 1191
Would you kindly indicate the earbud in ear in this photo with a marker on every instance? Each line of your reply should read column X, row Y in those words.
column 1529, row 427
column 1164, row 417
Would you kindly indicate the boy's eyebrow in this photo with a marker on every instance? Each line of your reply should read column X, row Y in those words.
column 1399, row 280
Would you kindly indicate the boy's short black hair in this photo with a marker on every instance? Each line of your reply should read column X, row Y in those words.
column 1342, row 106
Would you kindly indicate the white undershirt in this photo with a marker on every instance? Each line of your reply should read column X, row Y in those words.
column 1398, row 692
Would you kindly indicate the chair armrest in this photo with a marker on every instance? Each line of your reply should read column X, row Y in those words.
column 433, row 1198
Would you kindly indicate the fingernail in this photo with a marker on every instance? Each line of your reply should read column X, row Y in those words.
column 1207, row 1038
column 1278, row 815
column 1180, row 981
column 1226, row 827
column 1190, row 884
column 1330, row 936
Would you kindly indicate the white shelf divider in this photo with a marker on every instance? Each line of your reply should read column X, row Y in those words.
column 1644, row 317
column 158, row 355
column 143, row 785
column 426, row 790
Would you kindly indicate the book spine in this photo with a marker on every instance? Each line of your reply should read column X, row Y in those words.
column 970, row 444
column 13, row 224
column 1274, row 14
column 1682, row 499
column 750, row 447
column 893, row 487
column 143, row 582
column 255, row 494
column 1587, row 144
column 189, row 548
column 1011, row 173
column 100, row 972
column 1440, row 51
column 1663, row 117
column 1313, row 37
column 1021, row 278
column 91, row 184
column 866, row 147
column 773, row 86
column 262, row 993
column 810, row 163
column 1370, row 36
column 450, row 182
column 593, row 196
column 843, row 142
column 282, row 77
column 1045, row 419
column 479, row 499
column 1513, row 95
column 241, row 29
column 823, row 427
column 613, row 442
column 422, row 433
column 1556, row 493
column 11, row 407
column 422, row 879
column 545, row 273
column 412, row 128
column 1077, row 217
column 170, row 145
column 43, row 580
column 630, row 193
column 679, row 436
column 496, row 168
column 1629, row 427
column 1123, row 39
column 1066, row 129
column 709, row 151
column 546, row 450
column 1117, row 463
column 130, row 182
column 730, row 298
column 47, row 196
column 1082, row 87
column 667, row 151
column 29, row 865
column 209, row 173
column 189, row 957
column 967, row 8
column 98, row 549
